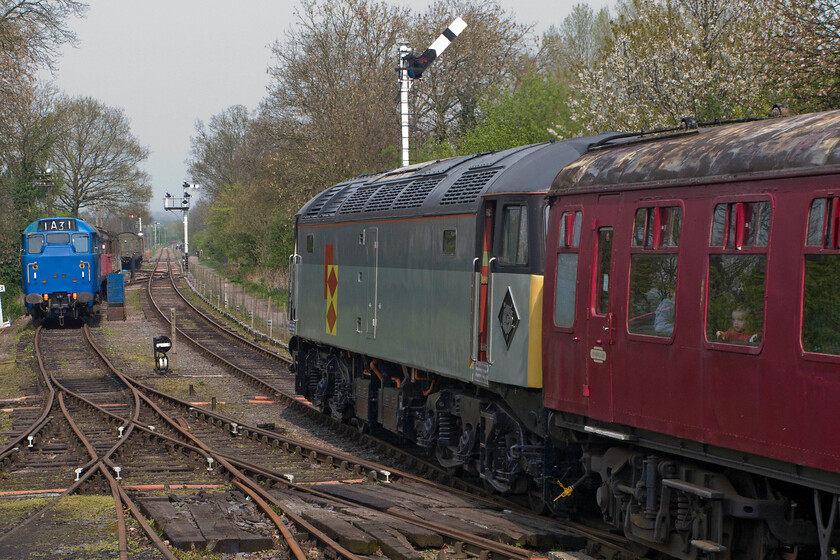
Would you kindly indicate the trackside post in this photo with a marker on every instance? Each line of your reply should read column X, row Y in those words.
column 3, row 324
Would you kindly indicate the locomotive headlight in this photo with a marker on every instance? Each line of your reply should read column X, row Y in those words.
column 75, row 296
column 46, row 297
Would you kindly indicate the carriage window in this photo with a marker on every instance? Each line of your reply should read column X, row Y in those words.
column 821, row 303
column 735, row 313
column 514, row 235
column 737, row 273
column 565, row 282
column 570, row 229
column 58, row 238
column 34, row 244
column 823, row 222
column 821, row 307
column 449, row 237
column 81, row 243
column 565, row 289
column 741, row 224
column 655, row 228
column 653, row 273
column 605, row 239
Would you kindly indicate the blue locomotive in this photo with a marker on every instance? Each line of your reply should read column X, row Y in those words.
column 64, row 263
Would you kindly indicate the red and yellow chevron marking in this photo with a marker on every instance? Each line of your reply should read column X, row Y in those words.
column 331, row 290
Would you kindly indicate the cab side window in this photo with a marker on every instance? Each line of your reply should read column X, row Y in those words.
column 737, row 273
column 34, row 244
column 514, row 235
column 821, row 301
column 565, row 282
column 653, row 271
column 81, row 243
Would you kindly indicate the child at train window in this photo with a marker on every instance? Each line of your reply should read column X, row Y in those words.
column 739, row 333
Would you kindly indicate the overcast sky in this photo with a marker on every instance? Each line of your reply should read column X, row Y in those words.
column 168, row 63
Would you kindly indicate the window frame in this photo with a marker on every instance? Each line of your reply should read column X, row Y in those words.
column 43, row 243
column 499, row 243
column 454, row 241
column 77, row 236
column 568, row 249
column 815, row 250
column 55, row 234
column 660, row 250
column 710, row 250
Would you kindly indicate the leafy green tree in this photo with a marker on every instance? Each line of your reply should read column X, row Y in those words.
column 528, row 114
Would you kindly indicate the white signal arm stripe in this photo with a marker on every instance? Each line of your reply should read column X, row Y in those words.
column 443, row 41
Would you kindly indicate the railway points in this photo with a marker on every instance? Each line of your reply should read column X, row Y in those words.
column 310, row 497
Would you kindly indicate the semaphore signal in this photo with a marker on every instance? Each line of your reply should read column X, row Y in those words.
column 412, row 68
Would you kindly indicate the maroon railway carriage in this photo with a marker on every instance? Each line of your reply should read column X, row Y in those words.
column 692, row 333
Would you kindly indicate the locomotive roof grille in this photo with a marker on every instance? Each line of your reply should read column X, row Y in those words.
column 322, row 200
column 337, row 200
column 467, row 188
column 415, row 194
column 356, row 202
column 384, row 197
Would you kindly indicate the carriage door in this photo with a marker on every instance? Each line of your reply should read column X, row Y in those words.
column 601, row 323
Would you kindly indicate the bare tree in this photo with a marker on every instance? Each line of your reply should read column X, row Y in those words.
column 98, row 157
column 575, row 45
column 220, row 151
column 32, row 30
column 484, row 57
column 334, row 85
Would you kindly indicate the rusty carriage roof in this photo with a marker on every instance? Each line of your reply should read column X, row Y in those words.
column 799, row 144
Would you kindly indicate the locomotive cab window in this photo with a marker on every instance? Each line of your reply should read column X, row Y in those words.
column 514, row 248
column 565, row 280
column 653, row 271
column 821, row 304
column 58, row 238
column 34, row 244
column 81, row 243
column 737, row 273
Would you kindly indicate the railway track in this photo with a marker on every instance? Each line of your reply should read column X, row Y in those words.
column 106, row 435
column 135, row 438
column 280, row 384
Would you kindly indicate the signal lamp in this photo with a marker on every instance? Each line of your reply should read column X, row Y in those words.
column 161, row 345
